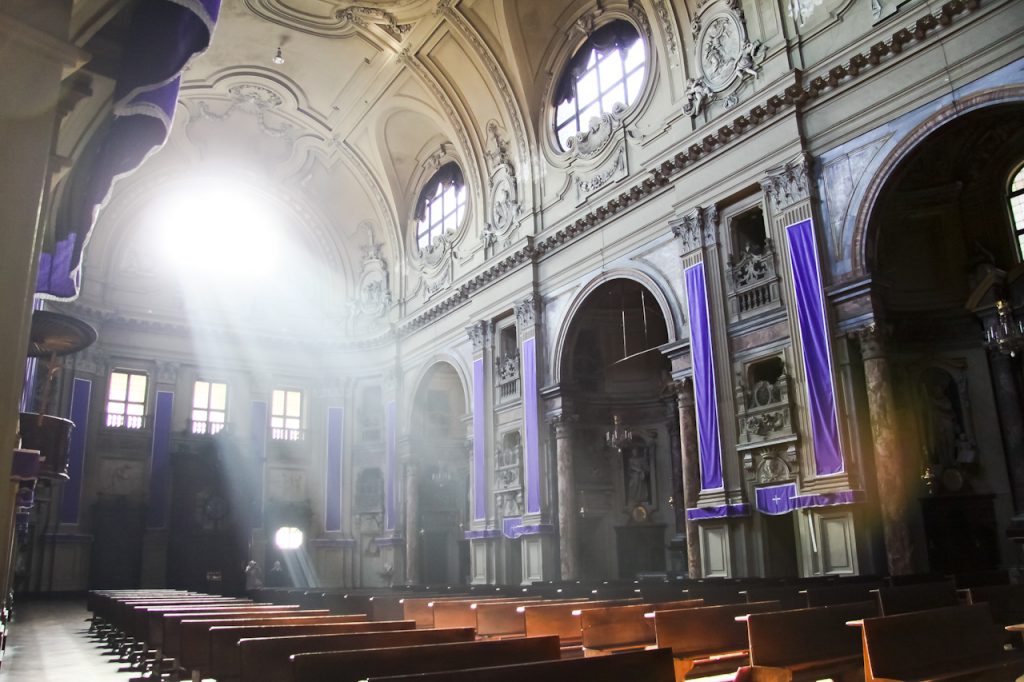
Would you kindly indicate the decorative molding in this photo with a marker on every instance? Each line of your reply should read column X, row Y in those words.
column 588, row 143
column 481, row 333
column 505, row 205
column 724, row 55
column 526, row 311
column 614, row 167
column 788, row 184
column 664, row 12
column 373, row 293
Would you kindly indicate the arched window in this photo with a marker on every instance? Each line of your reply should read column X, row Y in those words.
column 608, row 69
column 441, row 205
column 1017, row 209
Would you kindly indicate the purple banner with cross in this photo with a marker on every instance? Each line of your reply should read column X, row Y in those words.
column 335, row 461
column 259, row 420
column 160, row 461
column 704, row 390
column 71, row 496
column 391, row 462
column 817, row 352
column 479, row 441
column 531, row 426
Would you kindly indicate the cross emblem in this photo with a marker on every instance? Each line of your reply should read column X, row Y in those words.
column 776, row 499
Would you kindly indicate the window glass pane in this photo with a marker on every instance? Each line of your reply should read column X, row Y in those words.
column 294, row 407
column 218, row 396
column 1018, row 182
column 277, row 403
column 586, row 88
column 137, row 388
column 633, row 84
column 635, row 56
column 201, row 395
column 450, row 223
column 564, row 112
column 134, row 409
column 115, row 408
column 199, row 415
column 276, row 422
column 589, row 113
column 610, row 70
column 615, row 94
column 118, row 386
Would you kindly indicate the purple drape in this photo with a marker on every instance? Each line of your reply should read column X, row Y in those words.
column 775, row 500
column 71, row 496
column 479, row 442
column 814, row 335
column 531, row 426
column 164, row 36
column 333, row 473
column 705, row 394
column 160, row 462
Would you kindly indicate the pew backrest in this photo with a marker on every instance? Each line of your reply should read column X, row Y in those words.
column 917, row 597
column 654, row 665
column 562, row 619
column 267, row 658
column 617, row 627
column 786, row 638
column 706, row 630
column 352, row 666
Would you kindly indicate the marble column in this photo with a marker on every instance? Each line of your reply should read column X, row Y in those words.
column 690, row 471
column 890, row 468
column 412, row 523
column 676, row 457
column 563, row 425
column 1009, row 406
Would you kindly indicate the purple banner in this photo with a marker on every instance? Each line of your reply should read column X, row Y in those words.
column 509, row 525
column 817, row 353
column 71, row 496
column 704, row 390
column 828, row 499
column 160, row 461
column 335, row 445
column 391, row 455
column 479, row 442
column 720, row 511
column 775, row 500
column 259, row 421
column 482, row 534
column 531, row 415
column 164, row 35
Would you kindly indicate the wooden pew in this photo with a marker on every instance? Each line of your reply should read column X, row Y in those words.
column 352, row 666
column 613, row 629
column 916, row 597
column 807, row 644
column 707, row 640
column 654, row 665
column 225, row 663
column 506, row 619
column 194, row 643
column 560, row 619
column 1005, row 603
column 461, row 613
column 830, row 595
column 788, row 596
column 267, row 658
column 954, row 643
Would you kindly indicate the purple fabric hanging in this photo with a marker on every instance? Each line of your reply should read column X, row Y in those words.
column 531, row 426
column 160, row 461
column 479, row 442
column 705, row 394
column 775, row 500
column 164, row 36
column 814, row 335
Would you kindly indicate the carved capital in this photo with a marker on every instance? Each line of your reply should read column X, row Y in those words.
column 526, row 311
column 689, row 229
column 563, row 424
column 480, row 333
column 682, row 390
column 788, row 184
column 873, row 340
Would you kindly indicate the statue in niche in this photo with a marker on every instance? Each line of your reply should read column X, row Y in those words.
column 638, row 476
column 944, row 432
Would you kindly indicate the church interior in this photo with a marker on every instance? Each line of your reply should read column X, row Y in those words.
column 610, row 299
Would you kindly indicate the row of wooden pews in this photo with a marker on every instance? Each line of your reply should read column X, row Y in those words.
column 618, row 633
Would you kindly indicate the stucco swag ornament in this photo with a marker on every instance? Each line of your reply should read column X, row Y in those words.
column 505, row 206
column 373, row 296
column 725, row 55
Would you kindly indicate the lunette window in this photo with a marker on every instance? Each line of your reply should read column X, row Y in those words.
column 1016, row 197
column 607, row 70
column 209, row 407
column 126, row 400
column 441, row 205
column 286, row 415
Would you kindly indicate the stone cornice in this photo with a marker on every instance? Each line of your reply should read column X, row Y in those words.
column 804, row 89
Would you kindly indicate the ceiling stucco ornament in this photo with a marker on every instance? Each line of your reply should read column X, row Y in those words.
column 373, row 294
column 254, row 100
column 335, row 18
column 505, row 205
column 588, row 143
column 724, row 55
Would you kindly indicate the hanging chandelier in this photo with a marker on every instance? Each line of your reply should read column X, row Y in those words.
column 619, row 436
column 1007, row 334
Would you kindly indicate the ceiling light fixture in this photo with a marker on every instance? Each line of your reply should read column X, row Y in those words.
column 278, row 58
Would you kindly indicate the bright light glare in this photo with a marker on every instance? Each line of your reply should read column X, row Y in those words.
column 288, row 537
column 217, row 228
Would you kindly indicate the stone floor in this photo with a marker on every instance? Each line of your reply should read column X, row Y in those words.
column 48, row 641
